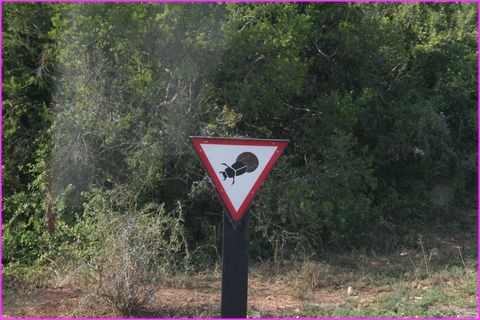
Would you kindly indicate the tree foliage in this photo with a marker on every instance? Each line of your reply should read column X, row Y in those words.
column 378, row 101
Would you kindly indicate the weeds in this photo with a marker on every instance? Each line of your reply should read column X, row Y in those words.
column 461, row 257
column 18, row 276
column 129, row 252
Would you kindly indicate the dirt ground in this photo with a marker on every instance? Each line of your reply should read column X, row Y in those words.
column 38, row 302
column 309, row 289
column 201, row 297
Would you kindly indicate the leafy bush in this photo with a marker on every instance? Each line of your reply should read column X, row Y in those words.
column 379, row 102
column 36, row 230
column 328, row 203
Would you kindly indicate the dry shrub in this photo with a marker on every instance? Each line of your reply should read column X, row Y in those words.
column 129, row 253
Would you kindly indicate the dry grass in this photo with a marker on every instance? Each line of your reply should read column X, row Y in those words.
column 408, row 283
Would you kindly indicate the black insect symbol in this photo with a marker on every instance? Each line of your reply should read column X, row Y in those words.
column 246, row 162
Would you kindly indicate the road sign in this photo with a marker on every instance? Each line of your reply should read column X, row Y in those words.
column 237, row 167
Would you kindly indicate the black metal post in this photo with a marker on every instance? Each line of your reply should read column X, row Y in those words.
column 235, row 267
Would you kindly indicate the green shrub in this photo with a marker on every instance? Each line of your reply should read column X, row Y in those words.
column 328, row 203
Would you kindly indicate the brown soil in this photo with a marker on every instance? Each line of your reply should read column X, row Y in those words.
column 38, row 303
column 272, row 292
column 197, row 298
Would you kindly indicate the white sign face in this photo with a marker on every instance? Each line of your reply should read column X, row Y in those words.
column 233, row 172
column 237, row 167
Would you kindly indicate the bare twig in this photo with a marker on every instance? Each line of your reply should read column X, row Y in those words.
column 461, row 256
column 324, row 54
column 425, row 260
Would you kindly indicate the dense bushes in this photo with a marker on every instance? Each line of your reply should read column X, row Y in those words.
column 378, row 101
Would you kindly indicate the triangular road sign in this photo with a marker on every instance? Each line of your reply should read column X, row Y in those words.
column 237, row 167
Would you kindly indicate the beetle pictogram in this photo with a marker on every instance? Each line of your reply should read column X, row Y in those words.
column 246, row 162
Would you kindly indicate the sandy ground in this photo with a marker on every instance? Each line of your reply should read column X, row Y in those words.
column 201, row 297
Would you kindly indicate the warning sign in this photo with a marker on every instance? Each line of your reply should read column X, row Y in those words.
column 237, row 167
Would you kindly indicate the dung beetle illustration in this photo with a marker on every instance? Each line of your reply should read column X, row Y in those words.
column 246, row 162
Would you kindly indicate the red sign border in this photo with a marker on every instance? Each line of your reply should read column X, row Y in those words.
column 237, row 215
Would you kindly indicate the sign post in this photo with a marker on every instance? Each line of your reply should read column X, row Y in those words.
column 235, row 268
column 237, row 168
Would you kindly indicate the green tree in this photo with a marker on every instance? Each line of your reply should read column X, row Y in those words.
column 29, row 55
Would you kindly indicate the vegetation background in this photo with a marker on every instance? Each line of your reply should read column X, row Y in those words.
column 379, row 101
